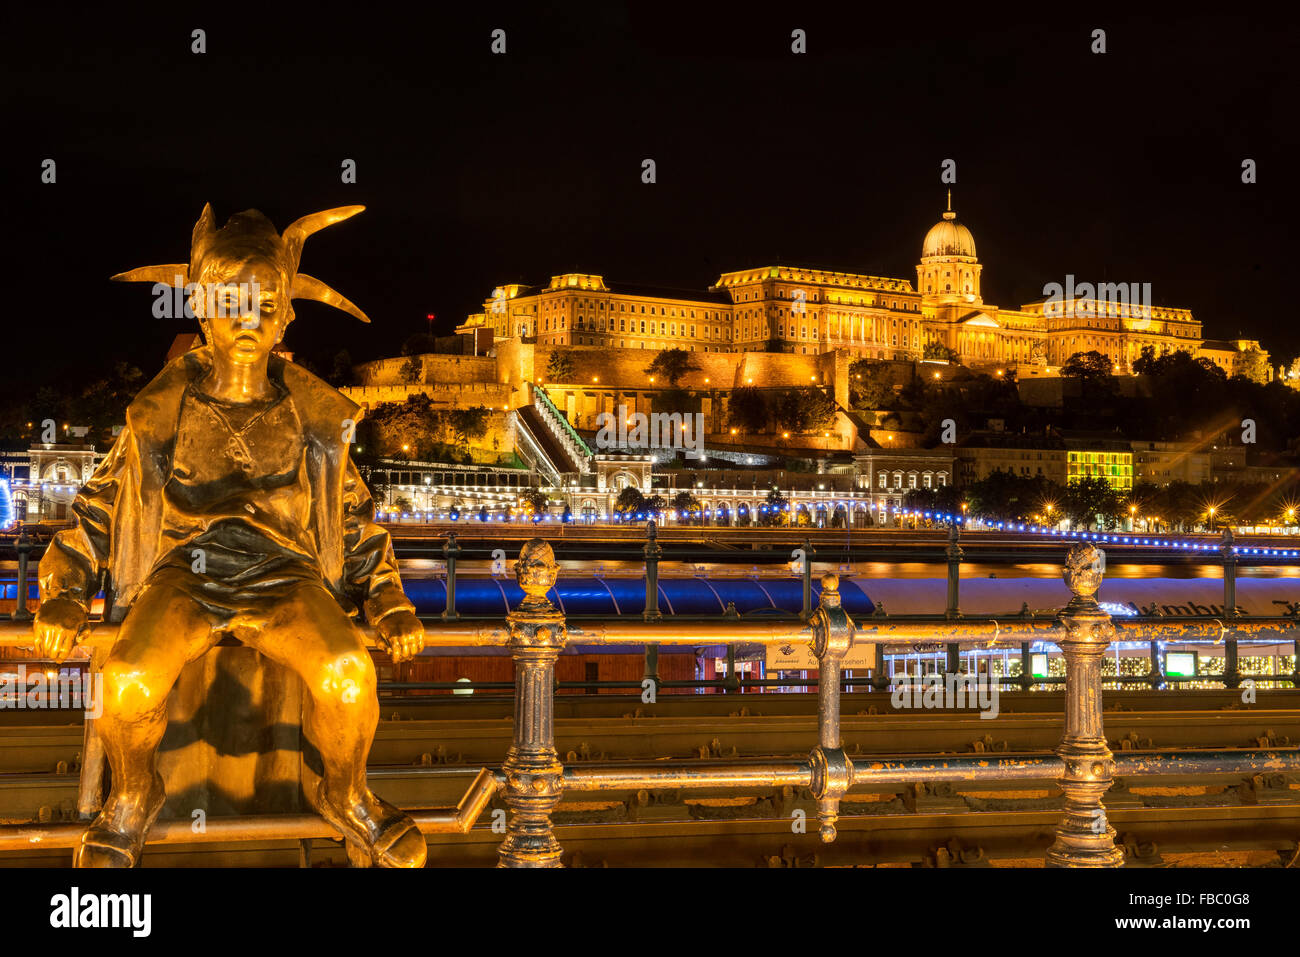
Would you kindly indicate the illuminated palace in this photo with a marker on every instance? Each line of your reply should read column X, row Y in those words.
column 810, row 311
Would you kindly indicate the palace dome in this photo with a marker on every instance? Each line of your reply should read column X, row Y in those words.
column 948, row 238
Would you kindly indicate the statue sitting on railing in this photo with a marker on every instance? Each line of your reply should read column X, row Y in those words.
column 229, row 505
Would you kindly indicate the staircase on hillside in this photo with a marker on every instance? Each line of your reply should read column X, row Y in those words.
column 547, row 441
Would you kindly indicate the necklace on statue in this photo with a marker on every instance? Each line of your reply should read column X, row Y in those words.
column 237, row 450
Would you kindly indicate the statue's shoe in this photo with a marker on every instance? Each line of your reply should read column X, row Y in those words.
column 105, row 846
column 388, row 840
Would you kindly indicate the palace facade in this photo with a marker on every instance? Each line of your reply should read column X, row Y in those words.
column 812, row 311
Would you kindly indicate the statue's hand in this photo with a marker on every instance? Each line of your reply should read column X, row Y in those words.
column 59, row 623
column 402, row 635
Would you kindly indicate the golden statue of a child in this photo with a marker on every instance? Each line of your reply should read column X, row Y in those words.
column 229, row 505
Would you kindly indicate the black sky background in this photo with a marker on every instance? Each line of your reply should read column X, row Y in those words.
column 479, row 169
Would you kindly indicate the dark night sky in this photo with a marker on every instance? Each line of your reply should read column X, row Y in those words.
column 480, row 169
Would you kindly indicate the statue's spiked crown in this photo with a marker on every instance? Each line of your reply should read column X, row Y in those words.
column 250, row 235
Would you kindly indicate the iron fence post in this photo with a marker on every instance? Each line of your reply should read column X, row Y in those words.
column 451, row 551
column 832, row 771
column 1231, row 672
column 24, row 547
column 1084, row 838
column 533, row 772
column 652, row 552
column 954, row 571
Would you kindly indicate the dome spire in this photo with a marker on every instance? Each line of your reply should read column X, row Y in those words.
column 949, row 215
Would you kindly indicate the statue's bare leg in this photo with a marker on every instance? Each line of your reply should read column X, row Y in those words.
column 162, row 632
column 309, row 634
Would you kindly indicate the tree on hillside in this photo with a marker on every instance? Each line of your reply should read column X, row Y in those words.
column 1087, row 365
column 869, row 388
column 1186, row 394
column 819, row 407
column 747, row 410
column 411, row 371
column 1094, row 372
column 560, row 367
column 937, row 350
column 806, row 409
column 670, row 365
column 1253, row 365
column 403, row 430
column 1145, row 363
column 468, row 424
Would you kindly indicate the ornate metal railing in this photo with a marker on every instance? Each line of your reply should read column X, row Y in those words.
column 532, row 779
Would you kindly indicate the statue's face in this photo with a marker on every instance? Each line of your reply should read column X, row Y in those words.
column 246, row 314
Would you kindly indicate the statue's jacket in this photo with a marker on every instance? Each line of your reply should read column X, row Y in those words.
column 119, row 512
